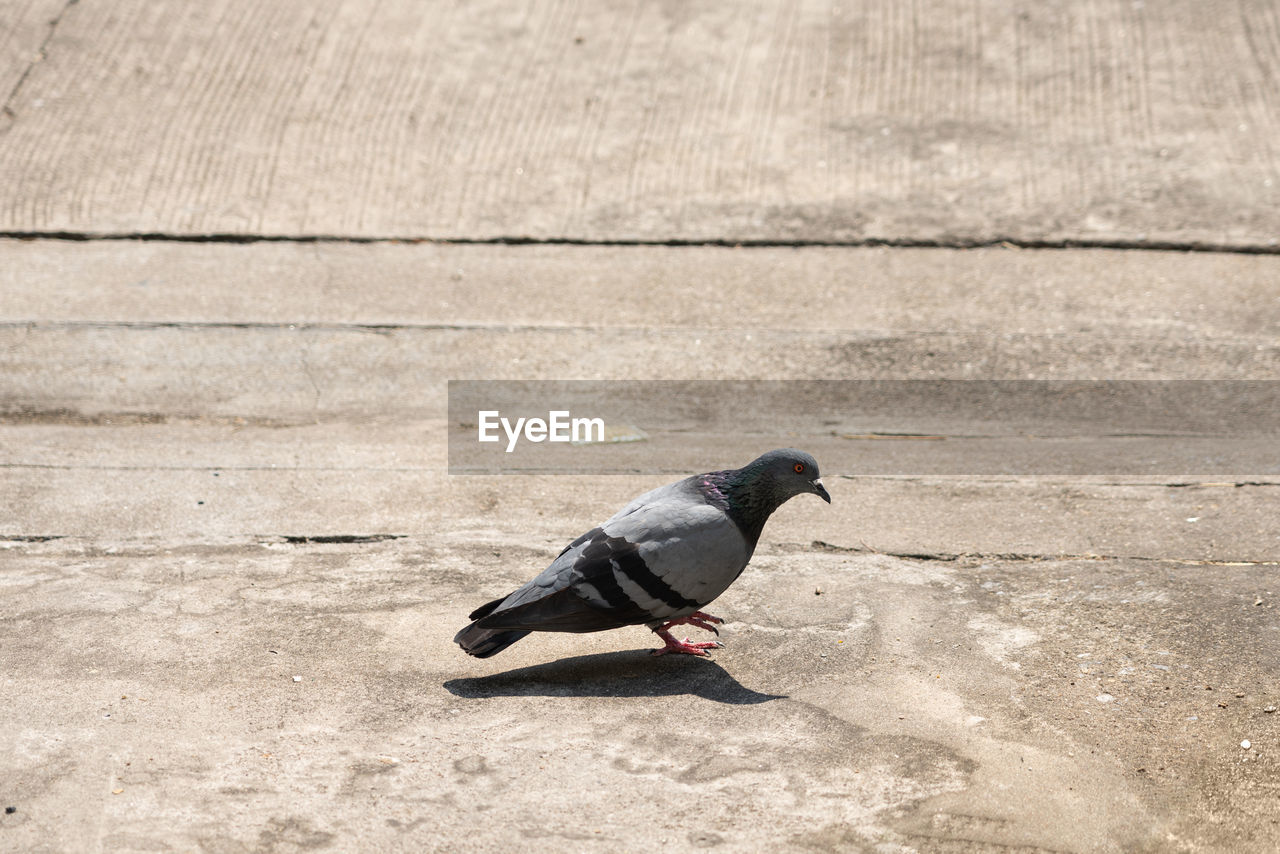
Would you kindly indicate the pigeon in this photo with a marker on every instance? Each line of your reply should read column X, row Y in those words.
column 657, row 562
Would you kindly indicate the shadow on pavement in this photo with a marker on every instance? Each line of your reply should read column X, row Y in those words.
column 614, row 674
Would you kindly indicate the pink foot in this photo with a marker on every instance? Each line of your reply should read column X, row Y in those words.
column 686, row 646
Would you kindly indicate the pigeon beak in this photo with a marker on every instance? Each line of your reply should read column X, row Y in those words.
column 821, row 491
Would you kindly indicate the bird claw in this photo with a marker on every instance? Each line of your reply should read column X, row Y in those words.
column 687, row 647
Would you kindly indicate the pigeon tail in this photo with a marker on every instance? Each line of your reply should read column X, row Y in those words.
column 482, row 643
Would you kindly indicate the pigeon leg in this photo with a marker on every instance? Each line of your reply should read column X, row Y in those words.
column 686, row 646
column 698, row 618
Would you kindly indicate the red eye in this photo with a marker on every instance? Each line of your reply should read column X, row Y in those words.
column 799, row 468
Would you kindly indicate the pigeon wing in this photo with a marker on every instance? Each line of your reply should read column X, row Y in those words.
column 686, row 553
column 555, row 601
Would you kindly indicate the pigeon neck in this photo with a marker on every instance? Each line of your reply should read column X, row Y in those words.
column 746, row 500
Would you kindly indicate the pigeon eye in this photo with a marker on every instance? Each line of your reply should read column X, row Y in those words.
column 799, row 468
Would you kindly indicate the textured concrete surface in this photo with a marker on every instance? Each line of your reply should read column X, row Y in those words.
column 207, row 496
column 273, row 696
column 231, row 553
column 776, row 120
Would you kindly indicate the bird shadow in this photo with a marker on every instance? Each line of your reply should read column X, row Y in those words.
column 614, row 674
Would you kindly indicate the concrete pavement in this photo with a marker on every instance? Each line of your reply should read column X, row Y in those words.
column 233, row 557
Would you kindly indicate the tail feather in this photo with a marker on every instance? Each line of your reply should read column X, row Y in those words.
column 482, row 642
column 486, row 608
column 496, row 628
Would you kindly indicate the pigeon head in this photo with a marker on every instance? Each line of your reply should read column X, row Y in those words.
column 750, row 494
column 784, row 473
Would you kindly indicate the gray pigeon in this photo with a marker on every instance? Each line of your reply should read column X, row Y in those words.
column 658, row 561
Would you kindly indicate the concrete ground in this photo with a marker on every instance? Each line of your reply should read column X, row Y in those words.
column 245, row 246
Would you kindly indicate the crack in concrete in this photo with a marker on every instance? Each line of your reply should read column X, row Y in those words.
column 65, row 416
column 406, row 469
column 315, row 386
column 334, row 538
column 14, row 539
column 1062, row 479
column 1029, row 557
column 42, row 53
column 1271, row 247
column 1234, row 484
column 272, row 468
column 377, row 328
column 388, row 328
